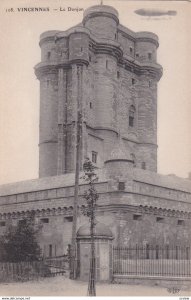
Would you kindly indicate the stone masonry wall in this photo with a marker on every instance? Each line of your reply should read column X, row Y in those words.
column 151, row 209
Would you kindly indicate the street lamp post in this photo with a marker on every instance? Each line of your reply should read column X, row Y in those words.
column 77, row 171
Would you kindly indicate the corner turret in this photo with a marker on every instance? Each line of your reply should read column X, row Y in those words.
column 120, row 162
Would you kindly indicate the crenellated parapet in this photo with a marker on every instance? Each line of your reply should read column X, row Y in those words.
column 38, row 213
column 68, row 211
column 164, row 212
column 62, row 49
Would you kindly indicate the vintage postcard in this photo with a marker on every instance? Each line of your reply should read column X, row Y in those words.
column 95, row 155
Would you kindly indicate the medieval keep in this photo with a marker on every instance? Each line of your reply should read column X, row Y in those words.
column 106, row 74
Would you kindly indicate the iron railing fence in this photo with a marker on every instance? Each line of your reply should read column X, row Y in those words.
column 152, row 261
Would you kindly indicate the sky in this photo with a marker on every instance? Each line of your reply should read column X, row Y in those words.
column 20, row 93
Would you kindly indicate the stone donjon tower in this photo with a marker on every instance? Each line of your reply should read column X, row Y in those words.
column 109, row 74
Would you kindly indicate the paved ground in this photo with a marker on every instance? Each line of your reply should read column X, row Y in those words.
column 61, row 286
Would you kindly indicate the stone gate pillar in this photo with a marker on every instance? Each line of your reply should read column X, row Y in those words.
column 103, row 251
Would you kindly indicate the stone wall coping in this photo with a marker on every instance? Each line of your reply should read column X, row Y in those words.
column 66, row 180
column 168, row 181
column 46, row 183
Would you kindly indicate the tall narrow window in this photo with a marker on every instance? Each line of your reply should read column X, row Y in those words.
column 94, row 157
column 133, row 81
column 149, row 55
column 106, row 64
column 50, row 250
column 48, row 55
column 131, row 115
column 44, row 251
column 143, row 165
column 131, row 50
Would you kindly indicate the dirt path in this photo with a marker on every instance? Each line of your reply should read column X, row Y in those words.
column 61, row 286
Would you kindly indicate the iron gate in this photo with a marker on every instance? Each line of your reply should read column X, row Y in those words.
column 57, row 265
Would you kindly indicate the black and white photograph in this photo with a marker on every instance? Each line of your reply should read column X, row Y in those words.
column 95, row 149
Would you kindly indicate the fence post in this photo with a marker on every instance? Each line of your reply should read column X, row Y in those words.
column 167, row 251
column 147, row 251
column 177, row 252
column 69, row 256
column 187, row 253
column 157, row 252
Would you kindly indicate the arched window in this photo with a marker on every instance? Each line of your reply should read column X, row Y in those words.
column 131, row 116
